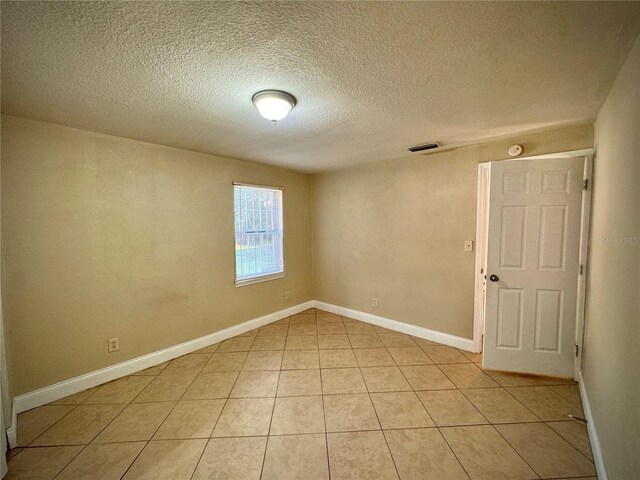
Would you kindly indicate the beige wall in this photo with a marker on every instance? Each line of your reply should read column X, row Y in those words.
column 395, row 230
column 611, row 361
column 108, row 237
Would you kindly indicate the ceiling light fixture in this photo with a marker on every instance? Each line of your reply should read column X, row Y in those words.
column 273, row 105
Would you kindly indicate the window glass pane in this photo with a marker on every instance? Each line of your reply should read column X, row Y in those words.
column 258, row 231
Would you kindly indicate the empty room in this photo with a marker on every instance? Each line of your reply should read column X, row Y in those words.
column 320, row 240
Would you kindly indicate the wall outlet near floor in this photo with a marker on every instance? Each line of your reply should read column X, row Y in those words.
column 468, row 245
column 287, row 295
column 114, row 345
column 374, row 302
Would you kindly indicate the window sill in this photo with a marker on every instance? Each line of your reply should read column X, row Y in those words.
column 263, row 278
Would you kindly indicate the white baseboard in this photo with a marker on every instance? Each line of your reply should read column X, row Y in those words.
column 591, row 428
column 421, row 332
column 68, row 387
column 12, row 431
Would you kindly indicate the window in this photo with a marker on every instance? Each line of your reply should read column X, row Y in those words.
column 258, row 228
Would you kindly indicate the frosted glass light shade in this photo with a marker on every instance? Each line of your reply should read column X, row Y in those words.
column 273, row 105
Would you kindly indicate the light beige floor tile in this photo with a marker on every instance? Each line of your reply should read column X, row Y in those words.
column 365, row 341
column 426, row 377
column 32, row 423
column 396, row 340
column 13, row 452
column 256, row 384
column 331, row 328
column 250, row 333
column 236, row 344
column 423, row 454
column 382, row 330
column 153, row 371
column 337, row 358
column 269, row 342
column 498, row 406
column 138, row 421
column 342, row 380
column 303, row 329
column 441, row 354
column 165, row 388
column 545, row 403
column 282, row 321
column 296, row 457
column 293, row 415
column 409, row 356
column 231, row 459
column 102, row 462
column 211, row 385
column 122, row 390
column 309, row 317
column 40, row 463
column 273, row 329
column 299, row 382
column 474, row 357
column 467, row 376
column 328, row 317
column 302, row 342
column 359, row 329
column 576, row 434
column 568, row 392
column 348, row 413
column 350, row 320
column 450, row 407
column 400, row 410
column 300, row 360
column 186, row 365
column 508, row 379
column 263, row 360
column 360, row 456
column 167, row 460
column 333, row 341
column 80, row 426
column 385, row 379
column 78, row 398
column 484, row 454
column 373, row 357
column 190, row 419
column 225, row 362
column 423, row 342
column 210, row 349
column 244, row 417
column 546, row 451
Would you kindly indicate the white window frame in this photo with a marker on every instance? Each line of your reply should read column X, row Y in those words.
column 245, row 280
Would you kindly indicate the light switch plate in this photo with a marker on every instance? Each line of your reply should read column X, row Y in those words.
column 468, row 245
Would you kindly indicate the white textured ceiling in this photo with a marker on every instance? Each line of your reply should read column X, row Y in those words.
column 370, row 78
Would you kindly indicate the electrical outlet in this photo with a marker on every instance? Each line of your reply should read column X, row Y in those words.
column 114, row 345
column 287, row 295
column 468, row 245
column 374, row 302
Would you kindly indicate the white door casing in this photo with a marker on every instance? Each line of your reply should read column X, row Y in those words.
column 534, row 246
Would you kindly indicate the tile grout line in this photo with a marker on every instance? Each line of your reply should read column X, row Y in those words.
column 165, row 418
column 324, row 413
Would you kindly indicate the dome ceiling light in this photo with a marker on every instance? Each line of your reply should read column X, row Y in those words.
column 273, row 105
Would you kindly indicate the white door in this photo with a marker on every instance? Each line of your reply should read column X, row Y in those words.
column 532, row 265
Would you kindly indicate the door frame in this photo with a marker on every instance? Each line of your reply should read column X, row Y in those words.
column 481, row 250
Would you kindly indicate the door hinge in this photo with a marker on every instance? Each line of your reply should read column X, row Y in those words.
column 586, row 183
column 575, row 352
column 581, row 269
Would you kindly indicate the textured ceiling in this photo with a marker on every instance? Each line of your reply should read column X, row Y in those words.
column 370, row 78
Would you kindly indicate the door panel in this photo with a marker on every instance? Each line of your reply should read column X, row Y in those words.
column 533, row 250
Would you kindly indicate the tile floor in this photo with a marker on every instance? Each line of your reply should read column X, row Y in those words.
column 313, row 396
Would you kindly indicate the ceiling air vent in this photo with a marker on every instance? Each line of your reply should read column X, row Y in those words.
column 424, row 146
